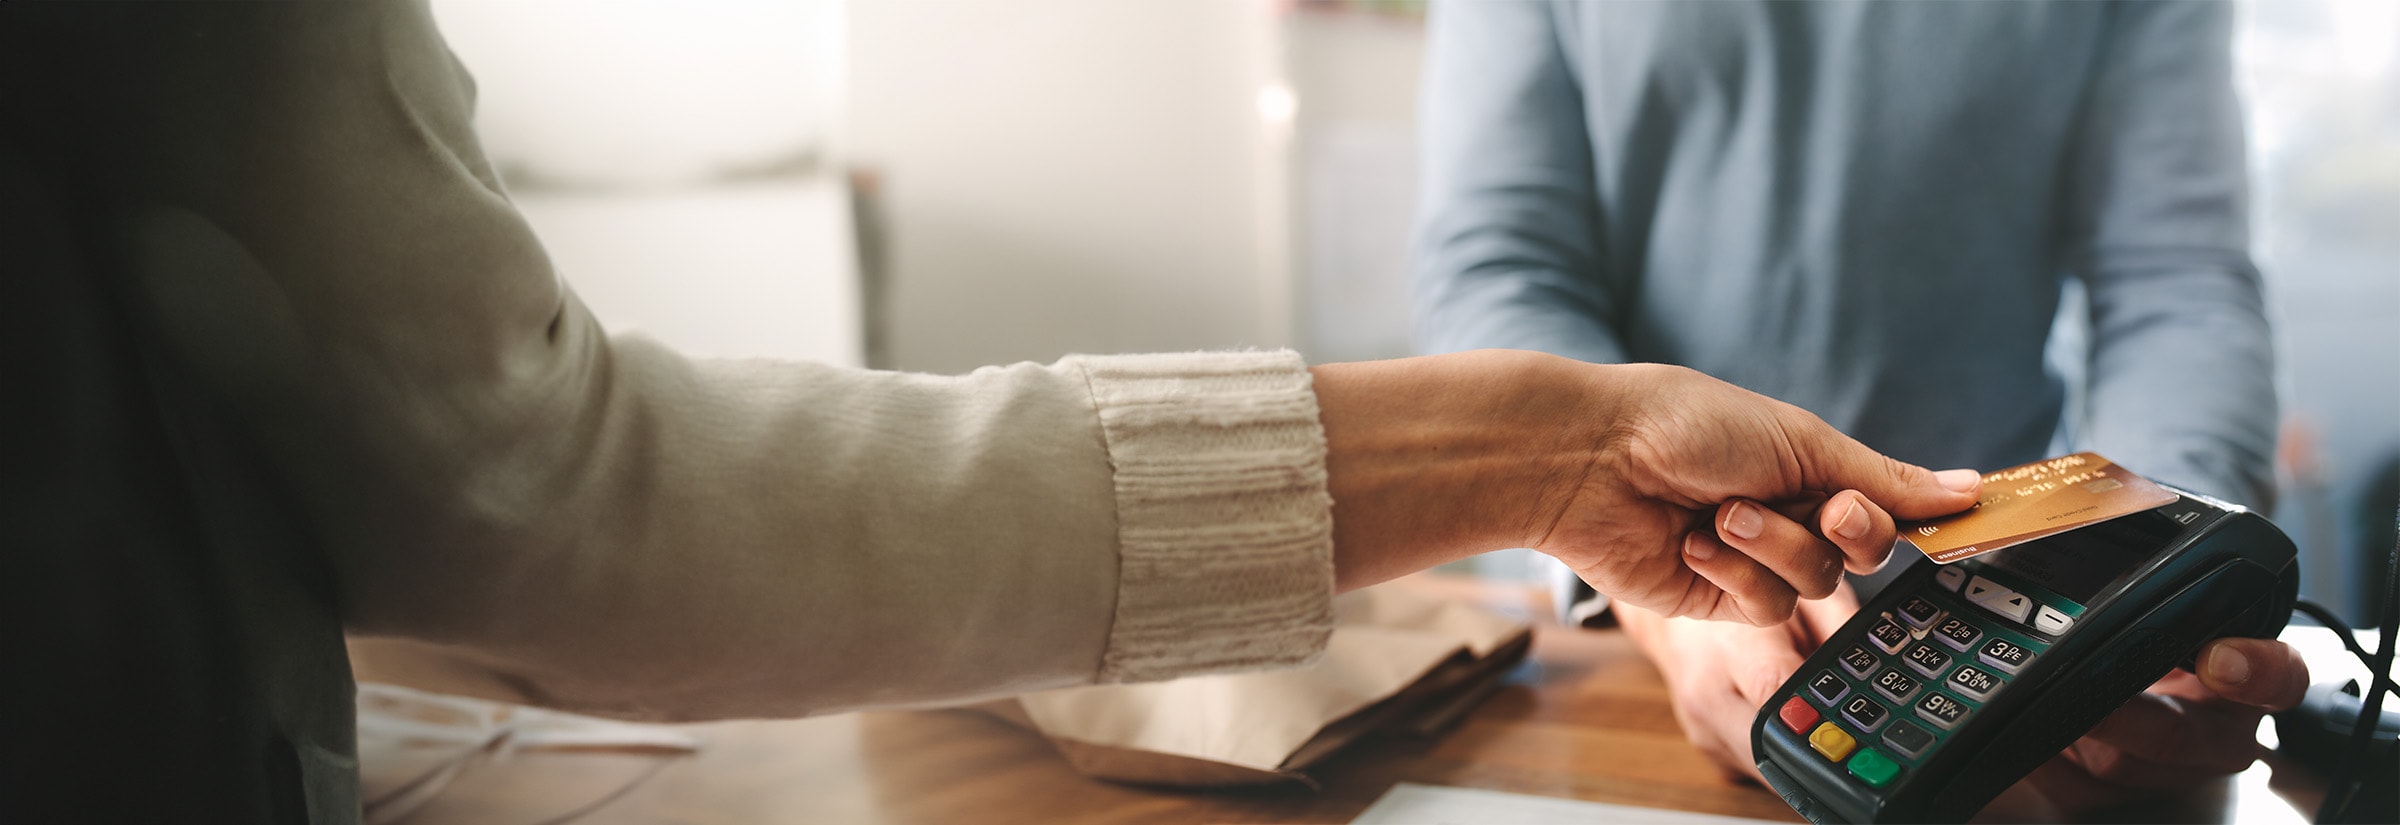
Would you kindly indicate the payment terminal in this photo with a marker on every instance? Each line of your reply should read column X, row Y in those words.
column 1959, row 679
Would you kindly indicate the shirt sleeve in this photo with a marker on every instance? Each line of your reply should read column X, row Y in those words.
column 1507, row 238
column 315, row 235
column 2181, row 365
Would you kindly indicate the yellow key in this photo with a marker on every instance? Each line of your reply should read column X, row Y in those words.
column 1833, row 742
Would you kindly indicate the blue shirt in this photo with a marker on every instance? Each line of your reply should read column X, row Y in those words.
column 1868, row 210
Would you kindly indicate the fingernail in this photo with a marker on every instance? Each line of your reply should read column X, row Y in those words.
column 1699, row 547
column 2227, row 665
column 1854, row 523
column 1743, row 520
column 1958, row 481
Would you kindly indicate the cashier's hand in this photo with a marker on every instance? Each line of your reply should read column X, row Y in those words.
column 1719, row 674
column 1662, row 487
column 2187, row 730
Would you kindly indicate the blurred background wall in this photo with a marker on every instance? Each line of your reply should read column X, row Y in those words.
column 1071, row 175
column 1041, row 177
column 680, row 162
column 2321, row 79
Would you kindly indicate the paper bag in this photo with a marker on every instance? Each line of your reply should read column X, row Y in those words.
column 1397, row 659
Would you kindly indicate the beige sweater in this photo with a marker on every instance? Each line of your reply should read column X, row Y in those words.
column 638, row 533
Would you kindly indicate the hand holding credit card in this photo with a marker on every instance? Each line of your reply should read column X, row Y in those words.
column 2027, row 502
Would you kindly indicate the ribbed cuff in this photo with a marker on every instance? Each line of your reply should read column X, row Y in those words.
column 1224, row 524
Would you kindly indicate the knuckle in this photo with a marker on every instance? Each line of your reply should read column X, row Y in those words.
column 1901, row 473
column 1828, row 575
column 1699, row 599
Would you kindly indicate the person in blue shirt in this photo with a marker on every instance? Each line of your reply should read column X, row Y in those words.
column 1872, row 211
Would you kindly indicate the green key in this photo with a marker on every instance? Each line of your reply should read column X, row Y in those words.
column 1874, row 767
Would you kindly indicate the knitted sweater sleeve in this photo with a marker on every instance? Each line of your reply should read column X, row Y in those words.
column 318, row 239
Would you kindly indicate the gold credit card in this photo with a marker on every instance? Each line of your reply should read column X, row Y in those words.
column 2024, row 503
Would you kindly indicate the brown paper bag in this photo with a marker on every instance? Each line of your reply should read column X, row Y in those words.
column 1397, row 659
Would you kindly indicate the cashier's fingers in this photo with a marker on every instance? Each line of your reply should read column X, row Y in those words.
column 2162, row 742
column 2192, row 728
column 1864, row 531
column 1809, row 564
column 1731, row 586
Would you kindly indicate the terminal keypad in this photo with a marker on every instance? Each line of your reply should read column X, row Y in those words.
column 1920, row 670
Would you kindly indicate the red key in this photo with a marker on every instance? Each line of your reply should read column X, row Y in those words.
column 1798, row 715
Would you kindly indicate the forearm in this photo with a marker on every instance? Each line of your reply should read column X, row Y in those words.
column 778, row 539
column 2156, row 223
column 318, row 242
column 2182, row 376
column 1507, row 247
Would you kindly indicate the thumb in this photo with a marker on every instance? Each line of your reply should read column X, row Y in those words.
column 1769, row 668
column 1832, row 462
column 1756, row 684
column 2258, row 672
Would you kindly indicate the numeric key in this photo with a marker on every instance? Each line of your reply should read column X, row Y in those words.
column 1958, row 633
column 1973, row 682
column 1940, row 709
column 2004, row 655
column 1893, row 683
column 1888, row 635
column 1858, row 661
column 1926, row 659
column 1864, row 713
column 1918, row 612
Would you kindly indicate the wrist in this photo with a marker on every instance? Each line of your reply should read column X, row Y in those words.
column 1438, row 458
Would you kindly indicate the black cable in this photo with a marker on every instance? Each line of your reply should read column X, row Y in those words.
column 2370, row 711
column 2341, row 630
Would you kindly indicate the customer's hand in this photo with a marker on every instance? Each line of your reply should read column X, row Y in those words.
column 1662, row 487
column 1791, row 500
